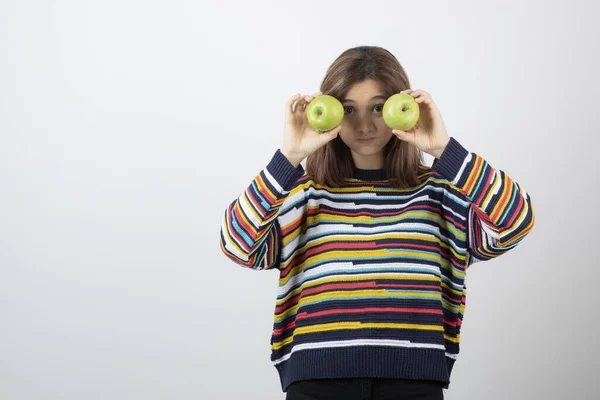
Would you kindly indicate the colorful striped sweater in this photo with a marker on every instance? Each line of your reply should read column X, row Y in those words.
column 372, row 279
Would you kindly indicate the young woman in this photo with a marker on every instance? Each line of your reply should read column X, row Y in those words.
column 371, row 245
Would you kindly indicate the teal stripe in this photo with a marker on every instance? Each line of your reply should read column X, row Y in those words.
column 511, row 204
column 263, row 201
column 480, row 180
column 368, row 297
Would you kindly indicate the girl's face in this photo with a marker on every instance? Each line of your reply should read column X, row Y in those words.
column 363, row 119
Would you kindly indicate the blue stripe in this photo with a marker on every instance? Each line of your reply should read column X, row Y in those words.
column 240, row 231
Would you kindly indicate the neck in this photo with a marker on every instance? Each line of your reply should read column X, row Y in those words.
column 373, row 161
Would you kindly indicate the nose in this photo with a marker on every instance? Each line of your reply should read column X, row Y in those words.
column 366, row 125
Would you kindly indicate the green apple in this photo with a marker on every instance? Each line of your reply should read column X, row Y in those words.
column 401, row 111
column 324, row 112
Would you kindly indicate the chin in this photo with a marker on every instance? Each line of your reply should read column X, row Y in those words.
column 368, row 150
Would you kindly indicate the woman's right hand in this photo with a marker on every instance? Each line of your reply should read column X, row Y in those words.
column 300, row 139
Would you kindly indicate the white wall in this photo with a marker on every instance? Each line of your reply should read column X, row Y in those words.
column 127, row 127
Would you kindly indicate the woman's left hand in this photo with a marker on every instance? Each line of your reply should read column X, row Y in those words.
column 429, row 134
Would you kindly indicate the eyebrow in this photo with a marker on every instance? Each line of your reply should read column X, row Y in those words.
column 372, row 98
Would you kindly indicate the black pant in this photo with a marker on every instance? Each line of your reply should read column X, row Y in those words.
column 365, row 389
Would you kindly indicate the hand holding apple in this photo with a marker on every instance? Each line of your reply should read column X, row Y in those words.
column 429, row 134
column 300, row 138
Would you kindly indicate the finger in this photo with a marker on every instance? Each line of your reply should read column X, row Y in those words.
column 424, row 99
column 290, row 103
column 300, row 104
column 421, row 93
column 406, row 132
column 421, row 96
column 332, row 133
column 406, row 91
column 403, row 135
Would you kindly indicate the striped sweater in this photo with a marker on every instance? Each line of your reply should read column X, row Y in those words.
column 372, row 279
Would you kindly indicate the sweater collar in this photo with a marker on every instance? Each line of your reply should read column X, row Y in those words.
column 369, row 174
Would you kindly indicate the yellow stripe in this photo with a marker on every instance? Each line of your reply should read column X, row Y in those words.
column 252, row 210
column 454, row 308
column 229, row 237
column 445, row 263
column 367, row 188
column 368, row 292
column 490, row 192
column 352, row 255
column 290, row 235
column 478, row 165
column 508, row 195
column 262, row 188
column 453, row 339
column 450, row 289
column 351, row 278
column 336, row 326
column 368, row 219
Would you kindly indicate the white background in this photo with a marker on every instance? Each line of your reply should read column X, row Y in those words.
column 127, row 127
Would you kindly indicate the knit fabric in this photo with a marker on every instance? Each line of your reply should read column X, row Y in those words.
column 372, row 279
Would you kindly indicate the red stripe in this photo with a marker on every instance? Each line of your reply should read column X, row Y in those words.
column 316, row 210
column 255, row 202
column 473, row 175
column 504, row 199
column 486, row 186
column 289, row 303
column 365, row 285
column 456, row 223
column 290, row 228
column 304, row 315
column 353, row 285
column 231, row 214
column 242, row 222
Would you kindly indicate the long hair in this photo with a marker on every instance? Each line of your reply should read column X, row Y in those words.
column 332, row 163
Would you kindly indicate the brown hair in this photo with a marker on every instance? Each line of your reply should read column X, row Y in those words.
column 332, row 163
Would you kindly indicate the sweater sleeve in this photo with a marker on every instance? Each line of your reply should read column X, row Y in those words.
column 501, row 213
column 250, row 233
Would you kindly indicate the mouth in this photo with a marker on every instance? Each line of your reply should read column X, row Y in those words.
column 365, row 139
